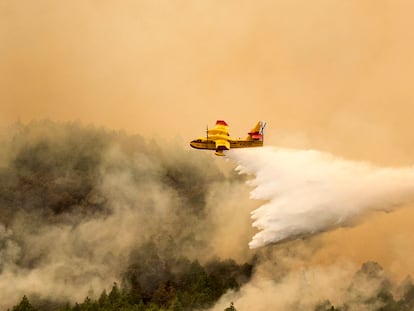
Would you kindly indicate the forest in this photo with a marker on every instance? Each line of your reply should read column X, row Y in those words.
column 195, row 288
column 92, row 219
column 80, row 205
column 199, row 287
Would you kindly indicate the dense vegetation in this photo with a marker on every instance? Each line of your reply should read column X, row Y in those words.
column 370, row 289
column 198, row 287
column 195, row 287
column 81, row 206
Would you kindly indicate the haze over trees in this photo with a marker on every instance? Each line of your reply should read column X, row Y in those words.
column 81, row 208
column 199, row 288
column 99, row 220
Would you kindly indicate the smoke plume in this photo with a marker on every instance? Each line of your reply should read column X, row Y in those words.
column 80, row 205
column 307, row 191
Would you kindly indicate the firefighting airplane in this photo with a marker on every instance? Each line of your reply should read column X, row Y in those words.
column 219, row 139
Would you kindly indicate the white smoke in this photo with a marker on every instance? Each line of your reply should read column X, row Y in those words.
column 308, row 191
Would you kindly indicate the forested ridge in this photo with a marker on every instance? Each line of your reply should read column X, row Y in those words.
column 371, row 289
column 195, row 288
column 97, row 220
column 199, row 287
column 83, row 207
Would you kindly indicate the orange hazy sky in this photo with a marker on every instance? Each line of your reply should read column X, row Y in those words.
column 334, row 75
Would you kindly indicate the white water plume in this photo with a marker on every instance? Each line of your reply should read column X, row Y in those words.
column 308, row 191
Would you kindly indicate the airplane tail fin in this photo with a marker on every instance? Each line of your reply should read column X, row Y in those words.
column 257, row 132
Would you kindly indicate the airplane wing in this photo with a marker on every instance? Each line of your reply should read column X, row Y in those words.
column 220, row 135
column 221, row 129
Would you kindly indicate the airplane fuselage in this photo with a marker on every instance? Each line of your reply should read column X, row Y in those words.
column 209, row 144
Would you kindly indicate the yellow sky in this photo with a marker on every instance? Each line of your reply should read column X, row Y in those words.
column 334, row 75
column 306, row 67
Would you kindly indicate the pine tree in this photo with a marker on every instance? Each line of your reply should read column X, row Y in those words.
column 24, row 305
column 231, row 308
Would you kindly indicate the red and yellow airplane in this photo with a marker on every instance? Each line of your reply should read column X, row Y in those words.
column 219, row 139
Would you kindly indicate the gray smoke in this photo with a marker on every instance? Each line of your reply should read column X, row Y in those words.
column 78, row 203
